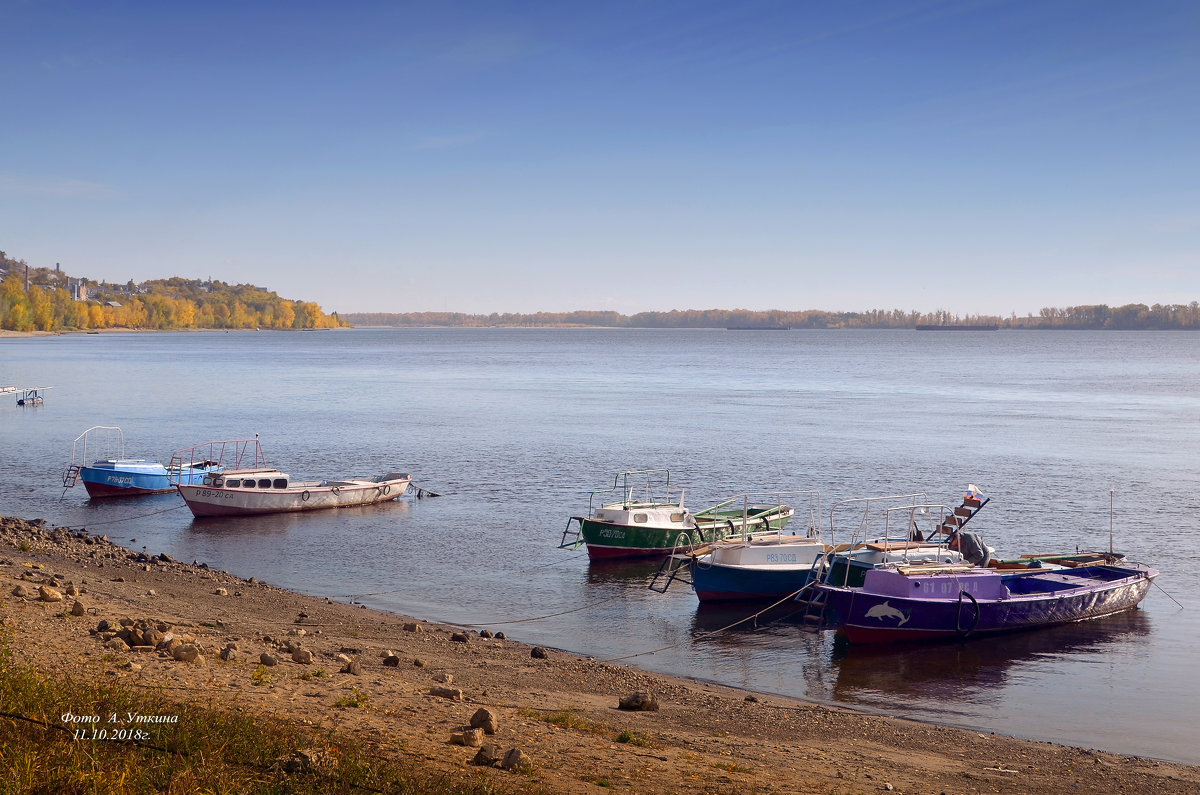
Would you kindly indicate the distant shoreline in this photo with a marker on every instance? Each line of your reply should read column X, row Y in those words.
column 6, row 334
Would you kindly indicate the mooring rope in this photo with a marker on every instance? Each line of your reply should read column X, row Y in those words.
column 713, row 632
column 1164, row 590
column 115, row 521
column 541, row 618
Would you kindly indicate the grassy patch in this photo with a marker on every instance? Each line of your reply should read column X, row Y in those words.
column 260, row 676
column 634, row 738
column 63, row 733
column 567, row 719
column 352, row 701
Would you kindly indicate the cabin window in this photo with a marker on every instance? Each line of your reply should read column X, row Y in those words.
column 233, row 483
column 640, row 518
column 677, row 517
column 218, row 482
column 264, row 483
column 280, row 483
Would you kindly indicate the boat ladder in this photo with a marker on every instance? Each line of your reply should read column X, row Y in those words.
column 962, row 514
column 71, row 476
column 812, row 619
column 677, row 563
column 572, row 540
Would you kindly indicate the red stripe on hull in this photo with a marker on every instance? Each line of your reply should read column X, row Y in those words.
column 627, row 553
column 100, row 490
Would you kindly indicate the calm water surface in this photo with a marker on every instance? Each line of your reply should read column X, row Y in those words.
column 514, row 427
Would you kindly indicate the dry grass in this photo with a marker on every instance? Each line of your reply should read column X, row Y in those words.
column 184, row 747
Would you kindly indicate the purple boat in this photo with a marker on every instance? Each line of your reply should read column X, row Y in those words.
column 898, row 604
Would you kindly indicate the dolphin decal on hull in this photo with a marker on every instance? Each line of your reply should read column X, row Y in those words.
column 885, row 611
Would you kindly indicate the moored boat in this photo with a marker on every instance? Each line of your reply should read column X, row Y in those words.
column 929, row 602
column 772, row 566
column 751, row 566
column 650, row 519
column 250, row 487
column 114, row 475
column 761, row 567
column 902, row 529
column 961, row 591
column 31, row 395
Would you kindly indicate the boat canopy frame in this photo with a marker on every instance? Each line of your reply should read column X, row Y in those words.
column 225, row 454
column 109, row 438
column 631, row 481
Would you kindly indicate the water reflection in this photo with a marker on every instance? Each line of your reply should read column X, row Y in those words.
column 955, row 671
column 746, row 617
column 299, row 521
column 630, row 573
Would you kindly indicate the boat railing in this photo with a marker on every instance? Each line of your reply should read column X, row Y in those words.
column 911, row 517
column 780, row 502
column 108, row 438
column 639, row 487
column 873, row 510
column 225, row 454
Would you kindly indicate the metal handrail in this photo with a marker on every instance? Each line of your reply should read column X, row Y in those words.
column 622, row 485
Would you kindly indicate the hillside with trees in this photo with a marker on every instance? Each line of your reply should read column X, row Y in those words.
column 43, row 299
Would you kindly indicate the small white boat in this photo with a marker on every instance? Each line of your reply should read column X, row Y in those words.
column 251, row 487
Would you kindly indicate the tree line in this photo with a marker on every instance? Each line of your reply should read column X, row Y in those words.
column 47, row 304
column 1097, row 316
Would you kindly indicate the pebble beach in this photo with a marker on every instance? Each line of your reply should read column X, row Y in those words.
column 472, row 703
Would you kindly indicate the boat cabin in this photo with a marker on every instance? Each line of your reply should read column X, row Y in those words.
column 247, row 479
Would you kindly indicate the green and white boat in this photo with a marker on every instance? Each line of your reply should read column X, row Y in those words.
column 649, row 519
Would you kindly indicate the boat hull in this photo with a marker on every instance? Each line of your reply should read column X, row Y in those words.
column 206, row 501
column 758, row 567
column 131, row 478
column 979, row 602
column 615, row 541
column 732, row 584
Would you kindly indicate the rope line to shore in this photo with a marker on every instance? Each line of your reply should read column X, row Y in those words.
column 552, row 563
column 713, row 632
column 540, row 618
column 519, row 571
column 122, row 519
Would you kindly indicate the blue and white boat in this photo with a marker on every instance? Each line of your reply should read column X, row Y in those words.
column 114, row 475
column 758, row 567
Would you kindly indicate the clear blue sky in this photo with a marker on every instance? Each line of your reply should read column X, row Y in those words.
column 980, row 157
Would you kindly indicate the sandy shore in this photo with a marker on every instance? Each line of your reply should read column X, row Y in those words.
column 560, row 709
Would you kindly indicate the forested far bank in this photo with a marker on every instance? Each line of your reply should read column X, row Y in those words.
column 1098, row 316
column 40, row 299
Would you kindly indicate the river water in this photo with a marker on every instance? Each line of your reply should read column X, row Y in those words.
column 513, row 427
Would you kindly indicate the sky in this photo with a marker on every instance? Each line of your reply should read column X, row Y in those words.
column 974, row 156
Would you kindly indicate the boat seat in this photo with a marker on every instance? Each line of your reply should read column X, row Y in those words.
column 879, row 546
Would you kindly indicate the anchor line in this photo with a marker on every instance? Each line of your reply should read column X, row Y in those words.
column 1172, row 598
